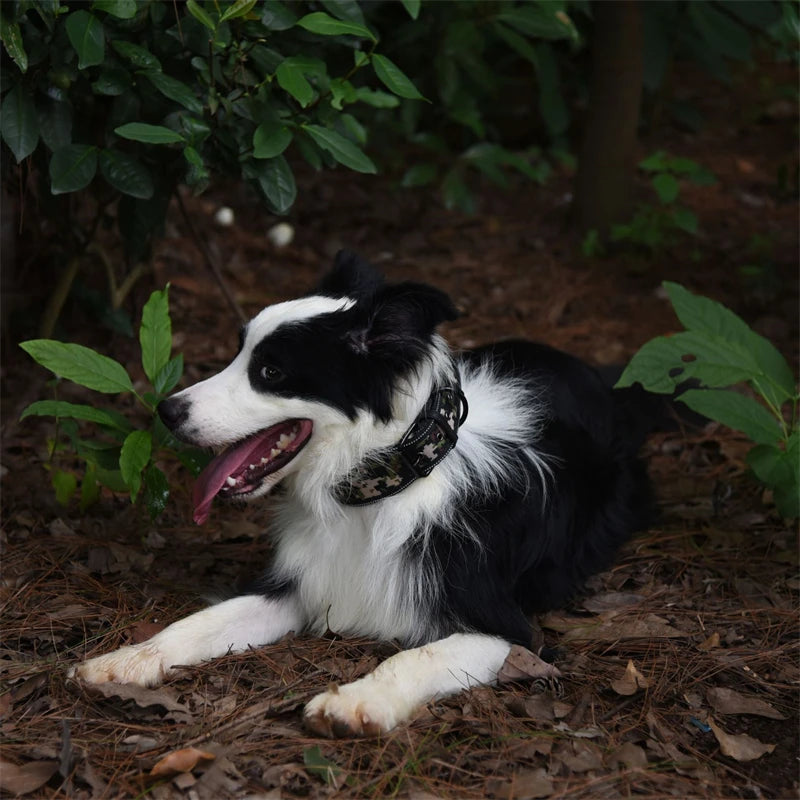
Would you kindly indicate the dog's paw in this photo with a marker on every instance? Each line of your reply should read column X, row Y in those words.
column 356, row 709
column 142, row 664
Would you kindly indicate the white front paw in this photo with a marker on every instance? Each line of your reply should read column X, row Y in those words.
column 355, row 709
column 142, row 664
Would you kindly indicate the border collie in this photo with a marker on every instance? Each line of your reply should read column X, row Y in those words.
column 436, row 499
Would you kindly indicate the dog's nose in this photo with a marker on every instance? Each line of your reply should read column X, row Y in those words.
column 174, row 411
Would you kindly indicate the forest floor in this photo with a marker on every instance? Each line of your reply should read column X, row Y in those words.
column 680, row 663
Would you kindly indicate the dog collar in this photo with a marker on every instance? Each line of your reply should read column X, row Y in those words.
column 430, row 438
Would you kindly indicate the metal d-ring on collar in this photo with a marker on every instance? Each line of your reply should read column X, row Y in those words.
column 430, row 438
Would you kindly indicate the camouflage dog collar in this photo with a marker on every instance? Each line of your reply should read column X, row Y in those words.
column 432, row 436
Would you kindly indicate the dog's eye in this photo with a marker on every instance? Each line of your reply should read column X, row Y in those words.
column 271, row 374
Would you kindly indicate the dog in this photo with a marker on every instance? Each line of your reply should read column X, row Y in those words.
column 435, row 499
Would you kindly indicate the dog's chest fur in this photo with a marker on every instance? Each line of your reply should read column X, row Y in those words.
column 346, row 581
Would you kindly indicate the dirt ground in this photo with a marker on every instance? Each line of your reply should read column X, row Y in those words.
column 680, row 664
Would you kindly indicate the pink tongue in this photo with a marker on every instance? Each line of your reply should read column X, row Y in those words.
column 213, row 477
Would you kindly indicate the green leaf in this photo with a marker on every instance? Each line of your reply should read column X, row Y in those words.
column 90, row 488
column 292, row 80
column 770, row 464
column 61, row 408
column 456, row 193
column 276, row 17
column 545, row 21
column 735, row 410
column 101, row 454
column 353, row 128
column 276, row 180
column 18, row 123
column 518, row 43
column 394, row 78
column 325, row 25
column 133, row 458
column 149, row 134
column 156, row 491
column 665, row 362
column 121, row 9
column 126, row 174
column 197, row 176
column 684, row 219
column 80, row 365
column 310, row 152
column 655, row 162
column 343, row 150
column 342, row 91
column 419, row 175
column 239, row 8
column 200, row 14
column 87, row 37
column 667, row 187
column 65, row 484
column 376, row 98
column 720, row 33
column 113, row 81
column 12, row 41
column 111, row 479
column 169, row 375
column 412, row 7
column 780, row 470
column 138, row 56
column 175, row 90
column 270, row 139
column 773, row 377
column 72, row 168
column 347, row 10
column 155, row 334
column 316, row 764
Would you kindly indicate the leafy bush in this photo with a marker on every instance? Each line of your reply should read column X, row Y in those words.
column 719, row 350
column 131, row 98
column 492, row 71
column 124, row 458
column 654, row 226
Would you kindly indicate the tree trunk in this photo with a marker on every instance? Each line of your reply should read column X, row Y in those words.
column 607, row 159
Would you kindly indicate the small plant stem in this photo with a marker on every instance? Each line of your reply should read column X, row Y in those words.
column 117, row 294
column 210, row 261
column 58, row 298
column 776, row 411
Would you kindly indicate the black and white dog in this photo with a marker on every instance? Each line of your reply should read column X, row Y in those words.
column 431, row 498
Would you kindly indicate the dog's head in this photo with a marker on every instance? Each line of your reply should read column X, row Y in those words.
column 304, row 366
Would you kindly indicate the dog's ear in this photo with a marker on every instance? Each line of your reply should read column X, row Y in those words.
column 400, row 321
column 350, row 276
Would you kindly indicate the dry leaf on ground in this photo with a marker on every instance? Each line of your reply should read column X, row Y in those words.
column 729, row 701
column 612, row 601
column 19, row 779
column 523, row 665
column 741, row 747
column 629, row 755
column 712, row 642
column 178, row 761
column 580, row 755
column 631, row 681
column 528, row 783
column 610, row 627
column 143, row 698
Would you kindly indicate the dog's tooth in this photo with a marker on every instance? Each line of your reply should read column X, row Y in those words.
column 264, row 461
column 230, row 480
column 275, row 452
